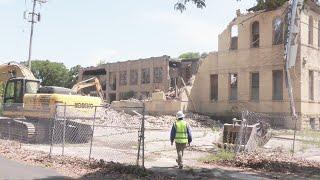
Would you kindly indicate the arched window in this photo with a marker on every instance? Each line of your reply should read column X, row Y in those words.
column 255, row 34
column 310, row 28
column 277, row 31
column 234, row 37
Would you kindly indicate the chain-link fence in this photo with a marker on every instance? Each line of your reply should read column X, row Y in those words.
column 98, row 132
column 90, row 132
column 117, row 134
column 254, row 131
column 160, row 153
column 262, row 131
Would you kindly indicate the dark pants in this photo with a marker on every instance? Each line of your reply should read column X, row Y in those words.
column 180, row 148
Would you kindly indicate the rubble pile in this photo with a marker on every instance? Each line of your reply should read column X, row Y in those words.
column 69, row 166
column 112, row 117
column 276, row 161
column 76, row 167
column 133, row 100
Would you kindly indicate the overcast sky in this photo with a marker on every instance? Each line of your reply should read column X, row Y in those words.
column 87, row 31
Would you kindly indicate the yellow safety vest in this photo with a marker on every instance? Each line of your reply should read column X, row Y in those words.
column 181, row 132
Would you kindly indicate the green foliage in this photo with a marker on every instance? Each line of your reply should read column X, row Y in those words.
column 310, row 137
column 54, row 73
column 181, row 4
column 189, row 55
column 204, row 55
column 221, row 155
column 1, row 89
column 267, row 5
column 1, row 108
column 73, row 76
column 50, row 73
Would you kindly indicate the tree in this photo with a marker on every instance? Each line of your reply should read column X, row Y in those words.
column 267, row 5
column 204, row 55
column 73, row 75
column 181, row 4
column 1, row 90
column 189, row 55
column 50, row 73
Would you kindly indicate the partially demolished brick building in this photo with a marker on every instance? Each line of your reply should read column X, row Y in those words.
column 247, row 73
column 131, row 79
column 140, row 78
column 248, row 70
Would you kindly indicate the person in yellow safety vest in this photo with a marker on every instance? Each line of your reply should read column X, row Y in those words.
column 181, row 134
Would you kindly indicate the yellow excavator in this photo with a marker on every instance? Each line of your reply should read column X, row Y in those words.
column 29, row 109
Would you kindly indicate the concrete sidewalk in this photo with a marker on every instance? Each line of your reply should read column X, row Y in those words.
column 15, row 171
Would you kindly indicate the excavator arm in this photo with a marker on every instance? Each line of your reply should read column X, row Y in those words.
column 13, row 69
column 88, row 83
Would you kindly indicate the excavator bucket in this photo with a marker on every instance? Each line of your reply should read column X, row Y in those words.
column 240, row 136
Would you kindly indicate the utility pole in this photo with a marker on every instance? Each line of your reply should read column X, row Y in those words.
column 35, row 17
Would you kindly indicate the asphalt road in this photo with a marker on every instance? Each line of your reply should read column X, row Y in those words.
column 13, row 170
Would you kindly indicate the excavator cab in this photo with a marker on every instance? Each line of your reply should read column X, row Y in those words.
column 15, row 90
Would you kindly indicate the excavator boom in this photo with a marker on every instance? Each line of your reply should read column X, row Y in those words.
column 89, row 83
column 13, row 69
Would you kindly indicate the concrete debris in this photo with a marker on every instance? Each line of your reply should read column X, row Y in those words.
column 112, row 117
column 171, row 94
column 133, row 100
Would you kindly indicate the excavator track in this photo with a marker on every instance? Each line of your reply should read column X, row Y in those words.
column 39, row 131
column 24, row 130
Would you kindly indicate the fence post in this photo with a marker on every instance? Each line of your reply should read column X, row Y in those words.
column 93, row 126
column 143, row 129
column 20, row 139
column 9, row 130
column 64, row 128
column 21, row 135
column 294, row 133
column 139, row 145
column 53, row 126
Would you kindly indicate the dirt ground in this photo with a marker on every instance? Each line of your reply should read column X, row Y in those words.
column 120, row 145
